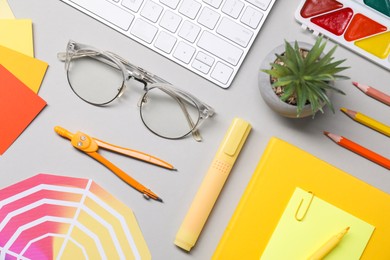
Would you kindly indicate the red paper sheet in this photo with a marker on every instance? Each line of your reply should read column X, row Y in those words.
column 19, row 105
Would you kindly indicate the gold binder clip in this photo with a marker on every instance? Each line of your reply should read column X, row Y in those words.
column 300, row 218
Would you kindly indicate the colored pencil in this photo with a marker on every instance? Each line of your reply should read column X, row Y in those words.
column 374, row 93
column 360, row 150
column 367, row 121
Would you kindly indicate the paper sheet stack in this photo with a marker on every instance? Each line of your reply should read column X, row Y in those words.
column 21, row 76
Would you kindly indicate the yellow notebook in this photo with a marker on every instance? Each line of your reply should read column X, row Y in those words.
column 282, row 168
column 308, row 222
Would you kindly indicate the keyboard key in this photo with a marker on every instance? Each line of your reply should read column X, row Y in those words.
column 165, row 42
column 184, row 52
column 233, row 8
column 200, row 66
column 251, row 17
column 170, row 21
column 170, row 3
column 213, row 3
column 262, row 4
column 220, row 48
column 108, row 12
column 234, row 32
column 133, row 5
column 208, row 18
column 221, row 72
column 206, row 59
column 189, row 31
column 151, row 11
column 143, row 30
column 189, row 8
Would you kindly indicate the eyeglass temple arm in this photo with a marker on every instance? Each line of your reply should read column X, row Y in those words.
column 136, row 72
column 205, row 109
column 132, row 70
column 87, row 53
column 195, row 133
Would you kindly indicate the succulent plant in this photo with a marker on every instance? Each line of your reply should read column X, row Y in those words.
column 304, row 76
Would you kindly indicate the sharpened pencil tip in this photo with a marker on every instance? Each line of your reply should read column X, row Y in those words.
column 326, row 133
column 349, row 112
column 160, row 200
column 343, row 109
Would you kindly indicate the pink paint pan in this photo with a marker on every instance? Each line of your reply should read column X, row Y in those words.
column 360, row 25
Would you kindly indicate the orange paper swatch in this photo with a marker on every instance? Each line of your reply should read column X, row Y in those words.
column 19, row 105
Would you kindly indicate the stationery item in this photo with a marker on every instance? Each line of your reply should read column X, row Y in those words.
column 212, row 184
column 90, row 146
column 57, row 217
column 358, row 25
column 18, row 108
column 367, row 121
column 360, row 150
column 325, row 249
column 5, row 10
column 374, row 93
column 17, row 34
column 27, row 69
column 309, row 222
column 281, row 169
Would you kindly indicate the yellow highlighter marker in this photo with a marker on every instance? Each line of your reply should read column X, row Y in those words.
column 329, row 245
column 367, row 121
column 212, row 184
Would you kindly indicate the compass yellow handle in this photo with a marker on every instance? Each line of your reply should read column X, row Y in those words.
column 63, row 132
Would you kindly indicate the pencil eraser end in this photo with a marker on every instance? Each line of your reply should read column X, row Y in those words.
column 183, row 245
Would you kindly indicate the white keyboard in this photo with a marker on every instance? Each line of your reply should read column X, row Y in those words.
column 209, row 37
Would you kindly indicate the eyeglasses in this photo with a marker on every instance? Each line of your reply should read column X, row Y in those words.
column 99, row 77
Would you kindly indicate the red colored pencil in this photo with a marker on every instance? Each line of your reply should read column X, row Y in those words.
column 358, row 149
column 374, row 93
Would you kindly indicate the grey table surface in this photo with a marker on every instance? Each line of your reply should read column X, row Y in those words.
column 40, row 150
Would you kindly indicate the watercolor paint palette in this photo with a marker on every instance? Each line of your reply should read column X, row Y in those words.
column 360, row 25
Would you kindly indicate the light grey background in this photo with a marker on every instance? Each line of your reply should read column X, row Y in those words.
column 40, row 150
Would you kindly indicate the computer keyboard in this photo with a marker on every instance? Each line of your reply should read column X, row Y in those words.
column 209, row 37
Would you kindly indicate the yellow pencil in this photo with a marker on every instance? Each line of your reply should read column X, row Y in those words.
column 367, row 121
column 329, row 245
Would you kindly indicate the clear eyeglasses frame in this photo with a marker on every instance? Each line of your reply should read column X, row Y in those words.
column 99, row 77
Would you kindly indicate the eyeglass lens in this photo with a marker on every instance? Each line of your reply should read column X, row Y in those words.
column 93, row 80
column 166, row 115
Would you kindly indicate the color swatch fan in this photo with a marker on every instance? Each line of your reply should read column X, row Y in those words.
column 361, row 25
column 56, row 217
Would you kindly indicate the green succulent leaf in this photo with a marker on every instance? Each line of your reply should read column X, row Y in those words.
column 288, row 92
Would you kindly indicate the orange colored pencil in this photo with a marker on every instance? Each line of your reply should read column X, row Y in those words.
column 360, row 150
column 374, row 93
